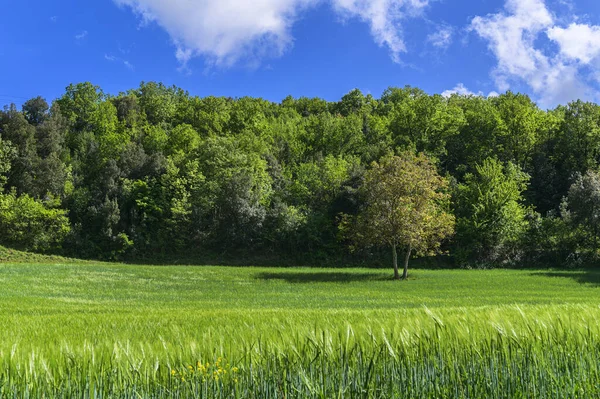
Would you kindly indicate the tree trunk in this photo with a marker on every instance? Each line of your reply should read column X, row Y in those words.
column 405, row 274
column 395, row 258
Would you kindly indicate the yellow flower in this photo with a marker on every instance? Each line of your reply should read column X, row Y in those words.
column 173, row 372
column 234, row 369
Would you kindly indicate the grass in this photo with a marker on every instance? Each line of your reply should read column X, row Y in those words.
column 8, row 255
column 106, row 330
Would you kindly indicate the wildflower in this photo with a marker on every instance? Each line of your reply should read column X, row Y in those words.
column 173, row 372
column 234, row 369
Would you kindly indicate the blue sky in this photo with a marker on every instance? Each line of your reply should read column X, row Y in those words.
column 549, row 49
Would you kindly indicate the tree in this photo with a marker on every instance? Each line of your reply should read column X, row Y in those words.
column 36, row 111
column 518, row 135
column 490, row 211
column 7, row 153
column 405, row 203
column 15, row 129
column 584, row 208
column 29, row 224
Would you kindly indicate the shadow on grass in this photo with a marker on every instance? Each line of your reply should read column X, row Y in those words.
column 322, row 277
column 586, row 276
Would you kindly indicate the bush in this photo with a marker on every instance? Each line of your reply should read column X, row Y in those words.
column 28, row 224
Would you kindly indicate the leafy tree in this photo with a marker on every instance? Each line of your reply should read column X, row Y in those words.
column 158, row 102
column 549, row 184
column 31, row 225
column 520, row 127
column 404, row 205
column 421, row 122
column 580, row 141
column 15, row 129
column 583, row 205
column 490, row 212
column 7, row 153
column 36, row 111
column 128, row 110
column 78, row 104
column 351, row 103
column 232, row 200
column 477, row 138
column 306, row 106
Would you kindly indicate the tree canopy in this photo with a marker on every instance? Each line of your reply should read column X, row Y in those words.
column 156, row 171
column 405, row 204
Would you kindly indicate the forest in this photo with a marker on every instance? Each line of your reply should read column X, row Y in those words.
column 155, row 171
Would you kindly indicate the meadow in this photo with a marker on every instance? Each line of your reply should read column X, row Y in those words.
column 95, row 330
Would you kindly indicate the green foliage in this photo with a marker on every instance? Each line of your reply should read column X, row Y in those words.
column 31, row 225
column 491, row 215
column 7, row 154
column 582, row 211
column 405, row 205
column 519, row 129
column 78, row 105
column 422, row 122
column 155, row 170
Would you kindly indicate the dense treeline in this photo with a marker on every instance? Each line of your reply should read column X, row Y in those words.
column 157, row 171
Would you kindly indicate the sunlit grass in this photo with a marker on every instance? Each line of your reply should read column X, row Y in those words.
column 100, row 330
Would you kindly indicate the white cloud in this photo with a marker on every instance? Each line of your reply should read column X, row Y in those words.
column 112, row 58
column 227, row 31
column 462, row 90
column 442, row 38
column 81, row 35
column 223, row 30
column 384, row 18
column 577, row 42
column 512, row 37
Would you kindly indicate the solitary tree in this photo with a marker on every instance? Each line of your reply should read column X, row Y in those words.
column 404, row 206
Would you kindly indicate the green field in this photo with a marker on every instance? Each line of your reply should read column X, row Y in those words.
column 103, row 330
